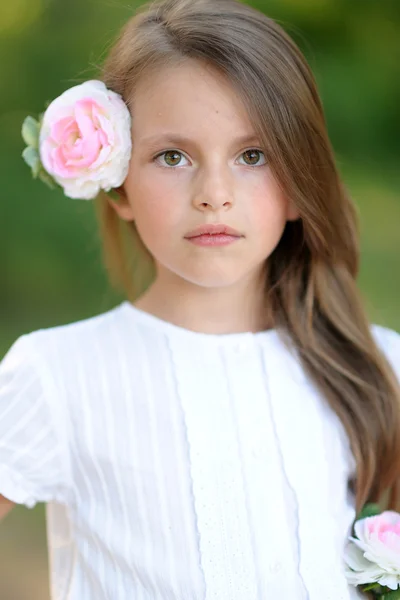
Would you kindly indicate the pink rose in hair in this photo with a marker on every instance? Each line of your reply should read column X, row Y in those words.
column 373, row 555
column 85, row 140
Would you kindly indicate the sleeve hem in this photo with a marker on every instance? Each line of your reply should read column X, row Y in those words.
column 15, row 489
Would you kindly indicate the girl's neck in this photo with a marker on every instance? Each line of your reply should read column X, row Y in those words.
column 208, row 311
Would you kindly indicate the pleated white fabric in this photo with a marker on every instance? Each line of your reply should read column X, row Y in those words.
column 177, row 465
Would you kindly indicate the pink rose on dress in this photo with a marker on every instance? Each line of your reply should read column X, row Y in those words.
column 373, row 555
column 85, row 140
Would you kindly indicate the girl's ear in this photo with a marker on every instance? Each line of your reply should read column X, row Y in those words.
column 119, row 201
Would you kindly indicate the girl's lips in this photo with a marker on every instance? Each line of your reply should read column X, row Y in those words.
column 213, row 229
column 220, row 239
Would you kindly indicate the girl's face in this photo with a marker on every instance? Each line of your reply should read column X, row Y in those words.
column 217, row 174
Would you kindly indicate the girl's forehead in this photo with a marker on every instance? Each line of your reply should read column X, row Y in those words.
column 188, row 94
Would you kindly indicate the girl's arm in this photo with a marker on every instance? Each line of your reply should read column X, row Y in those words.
column 5, row 506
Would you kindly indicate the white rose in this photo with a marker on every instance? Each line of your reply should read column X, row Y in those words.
column 373, row 555
column 85, row 140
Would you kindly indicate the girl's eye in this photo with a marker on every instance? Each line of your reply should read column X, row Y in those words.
column 254, row 156
column 173, row 157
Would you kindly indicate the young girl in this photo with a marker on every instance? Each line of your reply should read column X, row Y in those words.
column 214, row 436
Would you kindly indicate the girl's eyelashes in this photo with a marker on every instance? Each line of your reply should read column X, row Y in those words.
column 173, row 158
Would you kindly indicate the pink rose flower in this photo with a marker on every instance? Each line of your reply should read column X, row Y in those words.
column 373, row 555
column 85, row 140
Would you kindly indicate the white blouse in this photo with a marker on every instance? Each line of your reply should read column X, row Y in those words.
column 177, row 465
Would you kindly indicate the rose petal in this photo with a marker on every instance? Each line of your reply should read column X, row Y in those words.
column 62, row 128
column 391, row 581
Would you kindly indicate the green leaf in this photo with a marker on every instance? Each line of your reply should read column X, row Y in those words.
column 30, row 132
column 32, row 159
column 393, row 595
column 40, row 120
column 47, row 179
column 369, row 510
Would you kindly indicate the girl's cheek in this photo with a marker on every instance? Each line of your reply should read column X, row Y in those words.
column 268, row 209
column 158, row 207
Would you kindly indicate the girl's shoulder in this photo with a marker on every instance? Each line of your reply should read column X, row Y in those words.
column 57, row 347
column 388, row 341
column 83, row 331
column 385, row 334
column 46, row 378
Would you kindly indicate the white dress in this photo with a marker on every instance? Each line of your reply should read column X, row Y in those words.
column 177, row 465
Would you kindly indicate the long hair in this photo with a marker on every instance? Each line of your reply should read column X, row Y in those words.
column 310, row 278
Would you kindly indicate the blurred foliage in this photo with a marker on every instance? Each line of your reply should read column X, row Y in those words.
column 51, row 271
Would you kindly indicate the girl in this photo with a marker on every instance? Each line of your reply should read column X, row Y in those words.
column 214, row 436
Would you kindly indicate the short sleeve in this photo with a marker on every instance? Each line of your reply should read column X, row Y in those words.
column 32, row 463
column 389, row 342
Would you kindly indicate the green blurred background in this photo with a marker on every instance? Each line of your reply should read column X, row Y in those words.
column 51, row 270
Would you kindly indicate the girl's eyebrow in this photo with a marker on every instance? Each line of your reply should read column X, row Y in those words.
column 178, row 140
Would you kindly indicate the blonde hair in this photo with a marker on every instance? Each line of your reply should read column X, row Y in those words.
column 310, row 278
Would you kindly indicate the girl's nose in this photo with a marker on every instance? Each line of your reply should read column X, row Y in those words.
column 214, row 192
